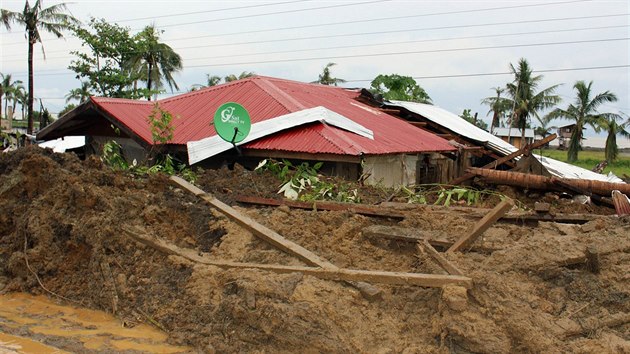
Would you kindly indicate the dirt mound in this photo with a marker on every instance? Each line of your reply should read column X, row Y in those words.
column 66, row 218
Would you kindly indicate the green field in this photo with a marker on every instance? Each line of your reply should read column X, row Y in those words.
column 590, row 158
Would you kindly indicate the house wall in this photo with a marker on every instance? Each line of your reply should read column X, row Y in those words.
column 390, row 170
column 131, row 149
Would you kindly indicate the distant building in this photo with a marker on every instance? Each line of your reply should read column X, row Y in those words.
column 564, row 135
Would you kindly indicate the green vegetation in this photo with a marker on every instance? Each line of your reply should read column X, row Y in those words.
column 473, row 119
column 525, row 97
column 584, row 112
column 326, row 78
column 303, row 182
column 442, row 194
column 398, row 87
column 590, row 158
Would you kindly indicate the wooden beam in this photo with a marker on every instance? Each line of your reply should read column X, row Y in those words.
column 339, row 274
column 483, row 225
column 502, row 160
column 363, row 209
column 438, row 258
column 411, row 235
column 276, row 154
column 255, row 228
column 418, row 124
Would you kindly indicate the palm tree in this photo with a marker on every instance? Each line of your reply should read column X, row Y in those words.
column 9, row 90
column 17, row 91
column 613, row 128
column 241, row 76
column 213, row 80
column 51, row 19
column 544, row 129
column 583, row 112
column 325, row 78
column 498, row 106
column 157, row 61
column 22, row 97
column 80, row 94
column 525, row 99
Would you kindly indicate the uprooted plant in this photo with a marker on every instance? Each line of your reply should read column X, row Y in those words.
column 447, row 194
column 304, row 182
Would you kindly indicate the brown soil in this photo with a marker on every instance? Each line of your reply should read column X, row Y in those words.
column 66, row 216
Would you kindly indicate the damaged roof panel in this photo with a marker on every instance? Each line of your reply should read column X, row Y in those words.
column 461, row 127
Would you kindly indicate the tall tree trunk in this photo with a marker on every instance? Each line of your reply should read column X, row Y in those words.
column 31, row 41
column 149, row 80
column 495, row 121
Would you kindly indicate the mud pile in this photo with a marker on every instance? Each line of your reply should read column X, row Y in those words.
column 67, row 218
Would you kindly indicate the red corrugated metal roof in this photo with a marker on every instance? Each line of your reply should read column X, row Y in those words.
column 265, row 98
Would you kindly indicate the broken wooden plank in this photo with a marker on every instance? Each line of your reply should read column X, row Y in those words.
column 256, row 228
column 363, row 209
column 438, row 258
column 338, row 274
column 412, row 235
column 502, row 160
column 483, row 225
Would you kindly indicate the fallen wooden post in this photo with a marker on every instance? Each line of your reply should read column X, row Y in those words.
column 256, row 228
column 411, row 235
column 339, row 274
column 438, row 258
column 524, row 180
column 363, row 209
column 576, row 189
column 496, row 163
column 483, row 225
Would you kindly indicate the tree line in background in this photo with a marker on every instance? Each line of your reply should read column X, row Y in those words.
column 524, row 100
column 139, row 66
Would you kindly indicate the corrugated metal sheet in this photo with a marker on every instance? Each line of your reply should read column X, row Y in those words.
column 207, row 147
column 461, row 127
column 266, row 98
column 529, row 133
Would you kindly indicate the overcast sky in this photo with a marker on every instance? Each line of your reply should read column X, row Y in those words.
column 457, row 50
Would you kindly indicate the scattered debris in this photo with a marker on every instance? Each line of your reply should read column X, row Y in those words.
column 621, row 202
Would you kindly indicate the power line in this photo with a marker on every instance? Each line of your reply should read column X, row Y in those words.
column 370, row 20
column 391, row 18
column 412, row 41
column 411, row 52
column 259, row 15
column 209, row 11
column 388, row 43
column 407, row 30
column 449, row 76
column 387, row 54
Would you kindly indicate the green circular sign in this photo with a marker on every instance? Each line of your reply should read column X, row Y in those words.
column 232, row 123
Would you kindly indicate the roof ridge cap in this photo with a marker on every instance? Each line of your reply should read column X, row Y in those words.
column 280, row 96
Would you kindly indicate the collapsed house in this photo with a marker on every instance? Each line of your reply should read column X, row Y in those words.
column 354, row 139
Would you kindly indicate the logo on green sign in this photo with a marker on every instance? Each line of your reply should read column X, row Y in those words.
column 232, row 122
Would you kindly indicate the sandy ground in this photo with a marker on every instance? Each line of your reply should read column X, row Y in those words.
column 66, row 217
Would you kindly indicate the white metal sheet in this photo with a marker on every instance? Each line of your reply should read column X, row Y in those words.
column 202, row 149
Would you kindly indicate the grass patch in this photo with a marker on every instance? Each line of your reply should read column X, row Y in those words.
column 590, row 158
